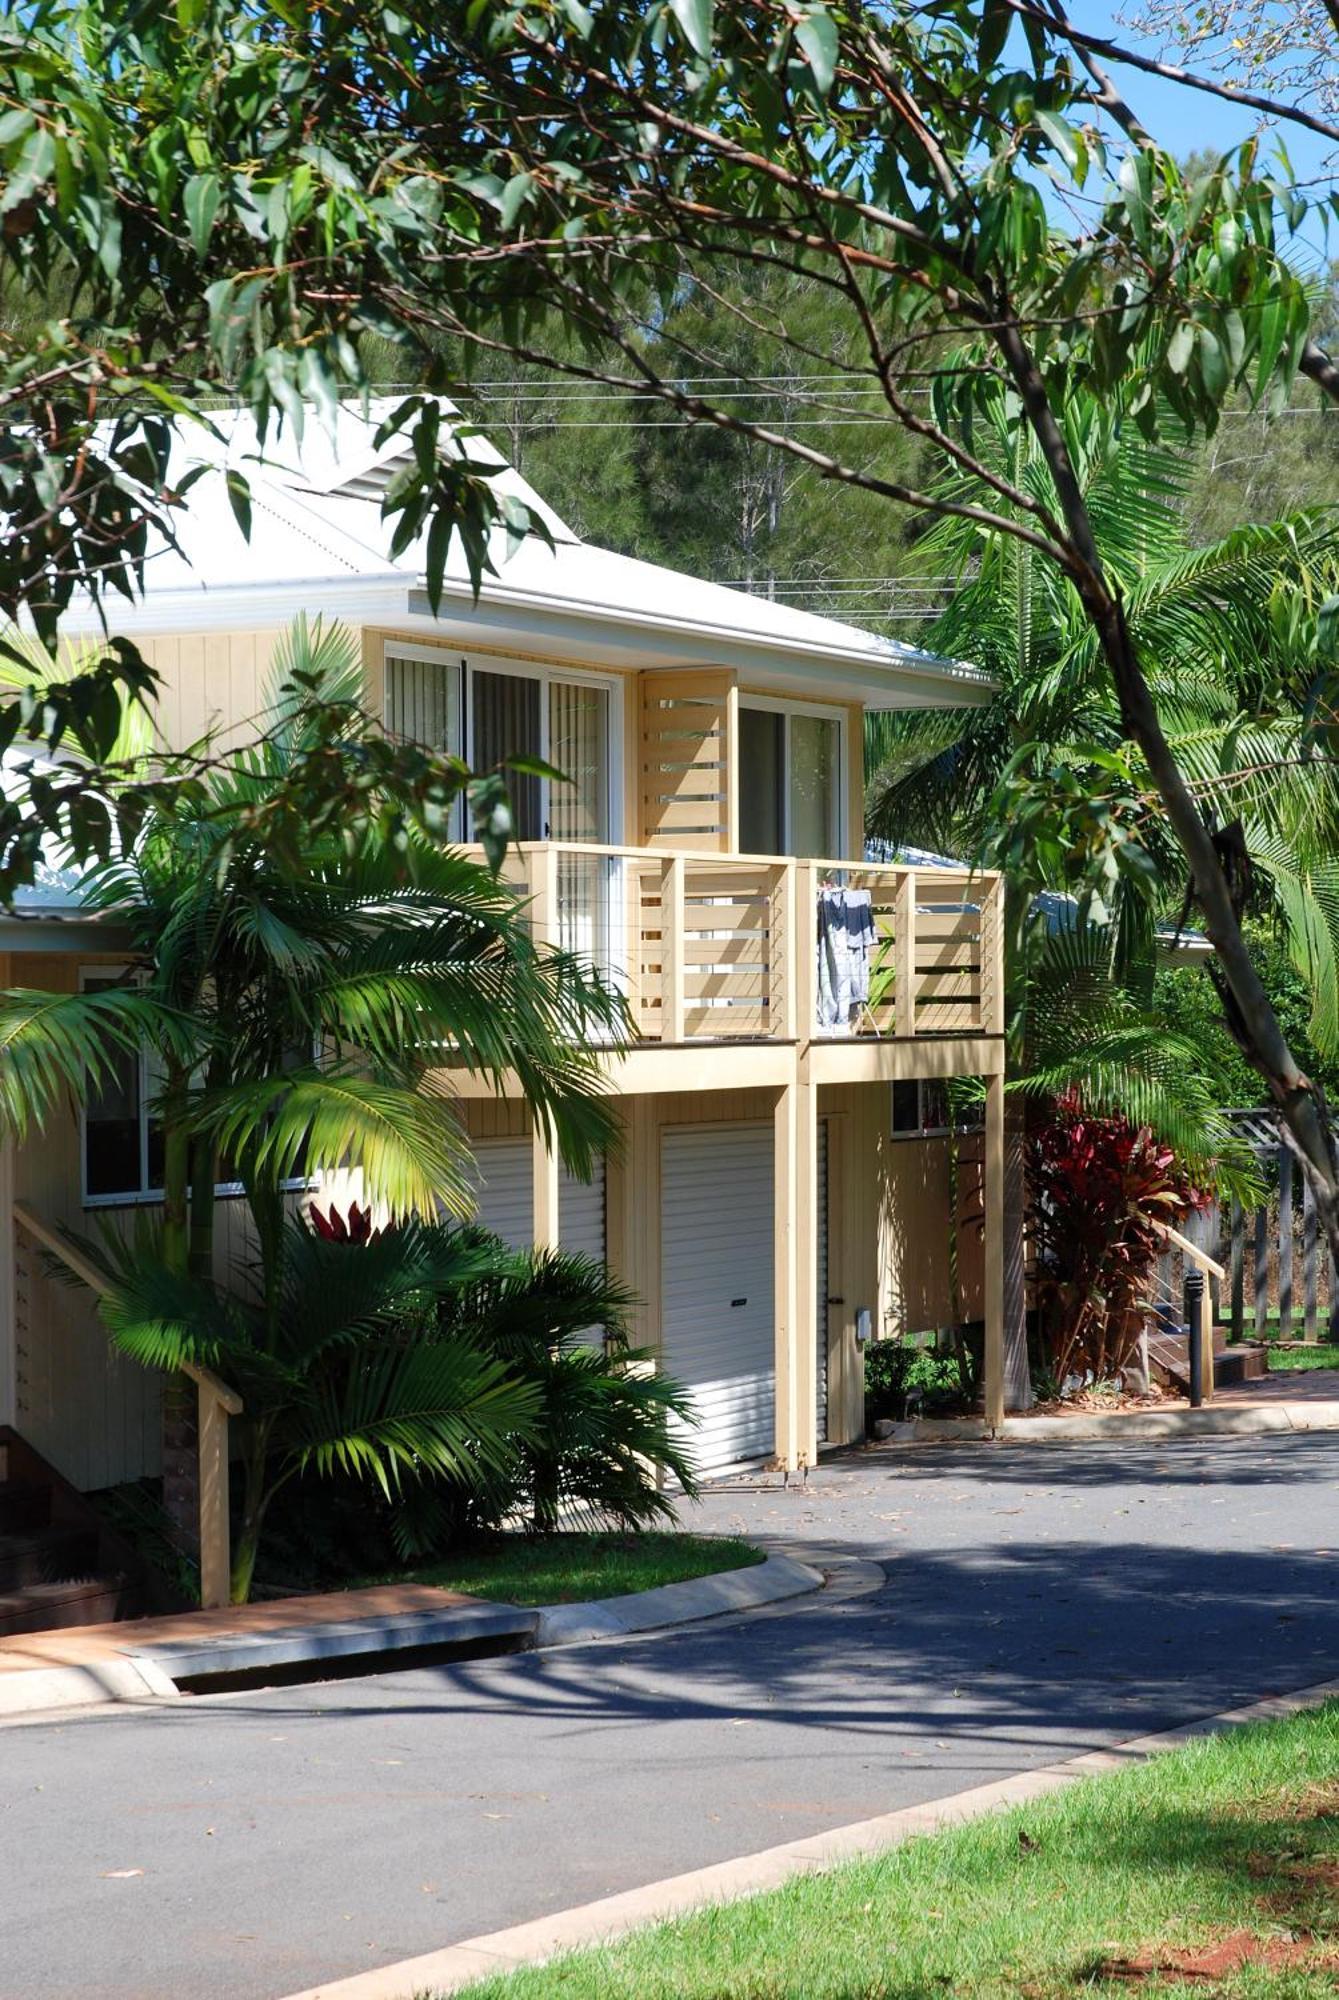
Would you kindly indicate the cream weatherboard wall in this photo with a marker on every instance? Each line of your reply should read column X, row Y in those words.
column 211, row 683
column 94, row 1414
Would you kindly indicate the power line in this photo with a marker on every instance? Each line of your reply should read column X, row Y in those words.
column 560, row 389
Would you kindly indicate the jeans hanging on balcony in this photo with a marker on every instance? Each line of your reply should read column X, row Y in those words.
column 846, row 939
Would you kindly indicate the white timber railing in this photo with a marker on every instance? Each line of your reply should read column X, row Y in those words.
column 710, row 947
column 216, row 1402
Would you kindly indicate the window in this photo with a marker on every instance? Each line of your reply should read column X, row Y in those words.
column 920, row 1110
column 123, row 1145
column 790, row 780
column 122, row 1140
column 489, row 714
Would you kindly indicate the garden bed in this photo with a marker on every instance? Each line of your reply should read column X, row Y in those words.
column 572, row 1568
column 1213, row 1869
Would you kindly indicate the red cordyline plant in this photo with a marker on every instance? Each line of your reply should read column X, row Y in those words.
column 1097, row 1189
column 335, row 1228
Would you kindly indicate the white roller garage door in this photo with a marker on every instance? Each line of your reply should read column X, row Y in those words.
column 507, row 1199
column 717, row 1332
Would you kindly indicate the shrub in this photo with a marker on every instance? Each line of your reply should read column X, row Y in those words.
column 606, row 1416
column 942, row 1380
column 1097, row 1189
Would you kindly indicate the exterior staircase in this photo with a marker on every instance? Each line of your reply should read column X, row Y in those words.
column 1169, row 1360
column 60, row 1562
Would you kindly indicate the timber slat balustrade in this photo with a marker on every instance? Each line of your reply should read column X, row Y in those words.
column 708, row 946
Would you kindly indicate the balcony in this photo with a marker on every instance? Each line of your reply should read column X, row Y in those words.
column 712, row 949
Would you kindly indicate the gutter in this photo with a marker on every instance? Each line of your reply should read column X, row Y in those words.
column 909, row 661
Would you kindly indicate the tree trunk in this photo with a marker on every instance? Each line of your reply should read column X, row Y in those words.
column 255, row 1499
column 1253, row 1021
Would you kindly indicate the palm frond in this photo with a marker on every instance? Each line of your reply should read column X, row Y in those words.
column 339, row 1293
column 435, row 1408
column 414, row 1158
column 165, row 1319
column 1085, row 1033
column 57, row 1047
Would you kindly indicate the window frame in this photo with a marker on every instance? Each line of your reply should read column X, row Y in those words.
column 921, row 1130
column 823, row 712
column 546, row 672
column 144, row 1196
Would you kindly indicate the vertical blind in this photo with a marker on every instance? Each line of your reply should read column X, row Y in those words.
column 425, row 702
column 505, row 712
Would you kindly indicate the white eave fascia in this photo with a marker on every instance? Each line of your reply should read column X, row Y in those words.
column 65, row 930
column 232, row 607
column 582, row 632
column 909, row 679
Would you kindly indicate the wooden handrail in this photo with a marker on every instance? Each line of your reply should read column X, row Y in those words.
column 215, row 1403
column 948, row 879
column 88, row 1274
column 1192, row 1250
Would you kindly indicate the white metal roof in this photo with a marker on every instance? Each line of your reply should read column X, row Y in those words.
column 318, row 543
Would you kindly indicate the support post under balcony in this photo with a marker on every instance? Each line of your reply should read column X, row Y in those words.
column 545, row 1169
column 806, row 950
column 795, row 1252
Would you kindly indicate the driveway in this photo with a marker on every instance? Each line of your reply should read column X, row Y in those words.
column 1037, row 1601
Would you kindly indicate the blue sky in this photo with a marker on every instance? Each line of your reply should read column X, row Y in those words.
column 1188, row 120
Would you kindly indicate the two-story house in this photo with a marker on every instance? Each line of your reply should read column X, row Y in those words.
column 779, row 1197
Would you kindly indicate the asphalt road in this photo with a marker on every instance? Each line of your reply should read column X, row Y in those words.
column 1039, row 1601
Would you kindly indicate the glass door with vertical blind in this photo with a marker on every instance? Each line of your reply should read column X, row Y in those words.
column 490, row 713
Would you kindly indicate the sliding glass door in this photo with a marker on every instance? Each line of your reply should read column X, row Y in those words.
column 789, row 781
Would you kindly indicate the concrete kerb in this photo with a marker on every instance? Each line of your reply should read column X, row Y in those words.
column 1139, row 1426
column 749, row 1589
column 460, row 1966
column 121, row 1679
column 153, row 1674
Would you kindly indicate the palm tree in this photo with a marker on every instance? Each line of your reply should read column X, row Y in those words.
column 1230, row 633
column 1230, row 636
column 301, row 1007
column 348, row 1378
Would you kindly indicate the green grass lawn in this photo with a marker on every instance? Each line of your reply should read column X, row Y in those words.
column 1322, row 1355
column 1071, row 1897
column 565, row 1569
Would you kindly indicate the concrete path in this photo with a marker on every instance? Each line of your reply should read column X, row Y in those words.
column 1038, row 1603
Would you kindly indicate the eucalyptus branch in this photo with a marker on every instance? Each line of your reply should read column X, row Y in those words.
column 1114, row 51
column 698, row 410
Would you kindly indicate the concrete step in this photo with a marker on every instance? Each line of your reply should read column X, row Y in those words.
column 1169, row 1357
column 44, row 1607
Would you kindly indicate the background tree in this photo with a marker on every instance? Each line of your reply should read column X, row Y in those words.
column 495, row 169
column 1288, row 52
column 798, row 143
